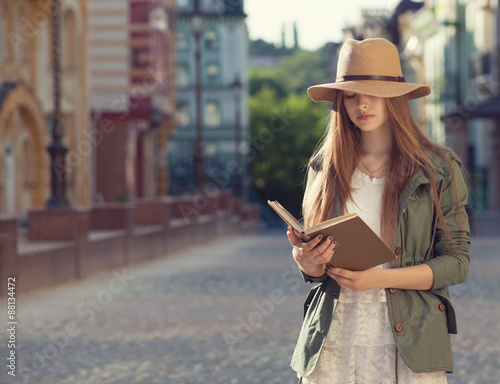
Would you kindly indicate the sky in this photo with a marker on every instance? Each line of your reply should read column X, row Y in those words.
column 318, row 21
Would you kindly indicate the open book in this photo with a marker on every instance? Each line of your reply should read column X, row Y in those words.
column 358, row 247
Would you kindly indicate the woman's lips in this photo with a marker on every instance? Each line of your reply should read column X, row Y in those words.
column 364, row 117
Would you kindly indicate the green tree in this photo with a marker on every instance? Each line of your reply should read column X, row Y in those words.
column 266, row 77
column 286, row 124
column 294, row 74
column 303, row 69
column 284, row 135
column 260, row 47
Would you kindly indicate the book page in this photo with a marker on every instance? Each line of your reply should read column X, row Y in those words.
column 286, row 216
column 329, row 223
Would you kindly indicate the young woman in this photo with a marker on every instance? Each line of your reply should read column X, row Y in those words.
column 391, row 323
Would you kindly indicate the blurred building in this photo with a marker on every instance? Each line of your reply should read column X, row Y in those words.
column 459, row 41
column 131, row 56
column 223, row 51
column 26, row 102
column 372, row 23
column 453, row 46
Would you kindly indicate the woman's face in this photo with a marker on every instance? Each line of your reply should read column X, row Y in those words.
column 368, row 113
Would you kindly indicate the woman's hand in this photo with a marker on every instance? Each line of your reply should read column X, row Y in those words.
column 311, row 256
column 357, row 281
column 416, row 277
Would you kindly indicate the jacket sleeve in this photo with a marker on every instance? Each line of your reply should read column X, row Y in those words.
column 312, row 279
column 450, row 264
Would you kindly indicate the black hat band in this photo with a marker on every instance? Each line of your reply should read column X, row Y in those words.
column 398, row 79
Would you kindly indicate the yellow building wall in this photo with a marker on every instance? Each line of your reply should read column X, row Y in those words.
column 25, row 132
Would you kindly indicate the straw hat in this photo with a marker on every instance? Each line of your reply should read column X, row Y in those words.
column 370, row 67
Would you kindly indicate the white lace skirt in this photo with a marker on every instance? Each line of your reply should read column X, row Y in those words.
column 360, row 348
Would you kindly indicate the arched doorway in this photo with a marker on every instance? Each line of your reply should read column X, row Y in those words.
column 24, row 184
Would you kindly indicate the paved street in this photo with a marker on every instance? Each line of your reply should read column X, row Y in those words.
column 225, row 313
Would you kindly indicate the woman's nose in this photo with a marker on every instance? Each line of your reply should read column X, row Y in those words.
column 362, row 101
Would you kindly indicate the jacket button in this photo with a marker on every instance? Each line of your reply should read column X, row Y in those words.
column 393, row 290
column 442, row 307
column 399, row 327
column 398, row 251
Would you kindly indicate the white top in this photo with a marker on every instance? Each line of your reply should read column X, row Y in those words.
column 359, row 347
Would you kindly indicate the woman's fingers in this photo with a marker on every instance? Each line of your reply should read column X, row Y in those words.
column 327, row 251
column 293, row 237
column 316, row 251
column 323, row 252
column 313, row 244
column 321, row 248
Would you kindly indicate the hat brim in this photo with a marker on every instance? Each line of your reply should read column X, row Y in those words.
column 386, row 89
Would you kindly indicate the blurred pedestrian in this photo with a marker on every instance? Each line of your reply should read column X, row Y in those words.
column 390, row 323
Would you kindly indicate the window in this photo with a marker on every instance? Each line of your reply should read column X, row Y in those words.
column 10, row 178
column 215, row 6
column 68, row 40
column 212, row 114
column 183, row 79
column 183, row 118
column 211, row 39
column 28, row 163
column 156, row 57
column 212, row 165
column 182, row 4
column 182, row 41
column 212, row 73
column 135, row 58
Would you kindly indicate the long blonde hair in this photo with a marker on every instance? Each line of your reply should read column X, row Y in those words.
column 337, row 156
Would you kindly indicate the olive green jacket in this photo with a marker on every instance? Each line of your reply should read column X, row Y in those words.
column 421, row 320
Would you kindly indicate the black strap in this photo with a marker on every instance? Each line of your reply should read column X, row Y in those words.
column 396, row 366
column 398, row 79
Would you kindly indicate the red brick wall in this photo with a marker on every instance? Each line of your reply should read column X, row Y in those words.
column 111, row 154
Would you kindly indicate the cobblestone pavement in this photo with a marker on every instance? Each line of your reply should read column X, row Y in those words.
column 225, row 313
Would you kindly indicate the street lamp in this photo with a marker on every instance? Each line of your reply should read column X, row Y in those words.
column 57, row 149
column 238, row 182
column 198, row 24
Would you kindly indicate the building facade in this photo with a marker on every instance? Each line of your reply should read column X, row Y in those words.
column 26, row 103
column 220, row 121
column 131, row 55
column 460, row 45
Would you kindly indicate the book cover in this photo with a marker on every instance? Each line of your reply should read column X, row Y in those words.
column 358, row 247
